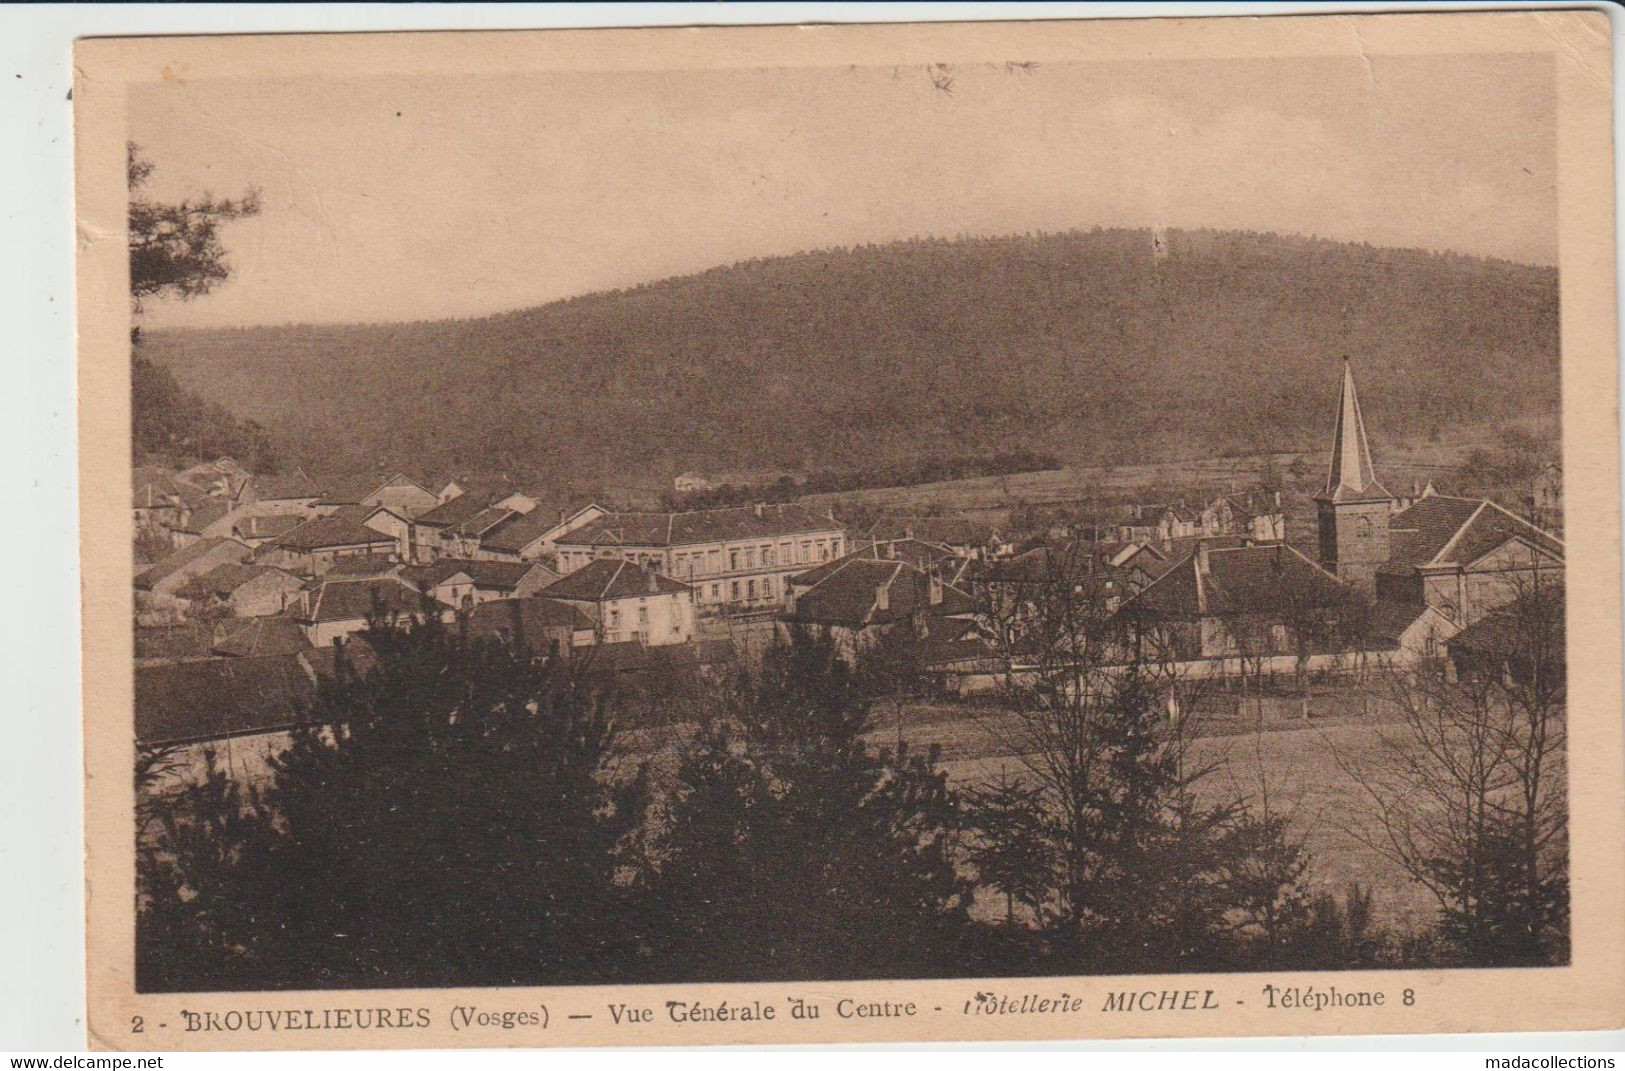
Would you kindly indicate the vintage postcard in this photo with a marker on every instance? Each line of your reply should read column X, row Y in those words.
column 826, row 533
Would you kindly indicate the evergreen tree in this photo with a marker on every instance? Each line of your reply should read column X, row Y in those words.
column 794, row 850
column 455, row 816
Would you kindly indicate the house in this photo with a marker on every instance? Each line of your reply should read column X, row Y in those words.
column 667, row 668
column 382, row 519
column 221, row 478
column 1140, row 523
column 340, row 608
column 1218, row 602
column 968, row 539
column 537, row 624
column 1407, row 632
column 1522, row 645
column 170, row 573
column 1546, row 498
column 918, row 553
column 211, row 518
column 294, row 493
column 690, row 482
column 1255, row 514
column 311, row 548
column 464, row 582
column 243, row 588
column 626, row 601
column 174, row 643
column 857, row 600
column 455, row 528
column 399, row 493
column 361, row 569
column 160, row 501
column 1465, row 557
column 736, row 559
column 219, row 698
column 533, row 536
column 277, row 634
column 256, row 529
column 238, row 710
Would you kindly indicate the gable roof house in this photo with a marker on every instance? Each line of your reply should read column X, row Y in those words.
column 311, row 548
column 167, row 575
column 211, row 518
column 533, row 536
column 628, row 602
column 257, row 529
column 340, row 608
column 1523, row 644
column 160, row 501
column 536, row 624
column 465, row 582
column 220, row 698
column 277, row 634
column 399, row 493
column 244, row 588
column 858, row 599
column 455, row 528
column 294, row 492
column 966, row 538
column 1219, row 602
column 1465, row 557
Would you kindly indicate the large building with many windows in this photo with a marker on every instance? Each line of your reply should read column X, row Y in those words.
column 735, row 559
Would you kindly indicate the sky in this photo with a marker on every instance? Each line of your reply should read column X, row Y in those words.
column 406, row 199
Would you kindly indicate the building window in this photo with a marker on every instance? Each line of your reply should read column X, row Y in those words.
column 716, row 592
column 733, row 561
column 643, row 615
column 733, row 590
column 750, row 589
column 767, row 555
column 767, row 587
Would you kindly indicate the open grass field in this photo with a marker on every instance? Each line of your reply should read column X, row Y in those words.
column 1297, row 763
column 989, row 498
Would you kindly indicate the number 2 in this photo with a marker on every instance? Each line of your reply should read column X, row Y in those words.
column 135, row 1024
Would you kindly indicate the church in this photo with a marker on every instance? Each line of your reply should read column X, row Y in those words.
column 1461, row 557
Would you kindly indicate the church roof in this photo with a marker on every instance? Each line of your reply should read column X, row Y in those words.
column 1443, row 529
column 1351, row 477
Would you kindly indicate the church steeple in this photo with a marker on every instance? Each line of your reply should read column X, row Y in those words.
column 1351, row 477
column 1353, row 507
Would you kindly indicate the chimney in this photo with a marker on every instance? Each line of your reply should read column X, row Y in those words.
column 1201, row 558
column 883, row 596
column 759, row 509
column 936, row 589
column 1277, row 501
column 654, row 583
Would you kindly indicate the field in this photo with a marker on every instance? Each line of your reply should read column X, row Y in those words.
column 990, row 498
column 1297, row 763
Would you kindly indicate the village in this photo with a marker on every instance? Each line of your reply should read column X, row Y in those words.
column 257, row 583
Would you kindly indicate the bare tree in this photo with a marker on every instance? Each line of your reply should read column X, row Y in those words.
column 1466, row 792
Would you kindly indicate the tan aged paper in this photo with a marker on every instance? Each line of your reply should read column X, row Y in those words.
column 947, row 532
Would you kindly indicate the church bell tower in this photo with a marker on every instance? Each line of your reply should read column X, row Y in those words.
column 1353, row 507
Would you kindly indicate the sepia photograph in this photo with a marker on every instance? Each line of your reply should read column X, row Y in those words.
column 665, row 512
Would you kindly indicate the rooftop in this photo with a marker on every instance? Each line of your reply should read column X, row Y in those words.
column 702, row 526
column 612, row 578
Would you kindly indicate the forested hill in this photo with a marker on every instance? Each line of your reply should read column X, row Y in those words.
column 1098, row 347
